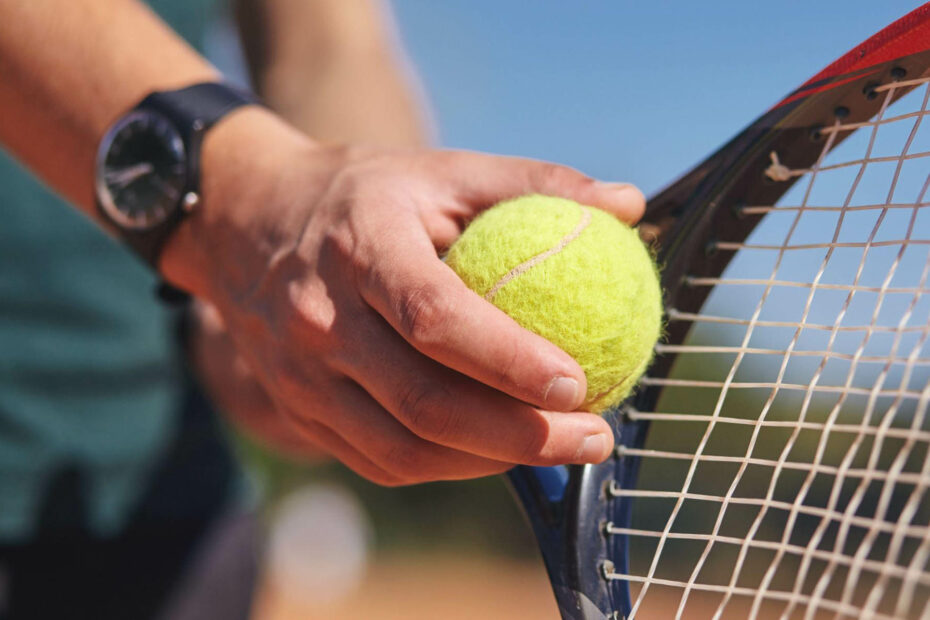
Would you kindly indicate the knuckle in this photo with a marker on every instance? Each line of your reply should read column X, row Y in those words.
column 506, row 368
column 424, row 316
column 406, row 464
column 338, row 247
column 308, row 319
column 420, row 407
column 431, row 412
column 528, row 453
column 532, row 447
column 557, row 176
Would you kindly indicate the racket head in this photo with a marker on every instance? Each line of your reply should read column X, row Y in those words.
column 583, row 515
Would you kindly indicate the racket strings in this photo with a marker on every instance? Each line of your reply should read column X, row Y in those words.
column 677, row 315
column 834, row 495
column 809, row 487
column 910, row 530
column 858, row 565
column 816, row 468
column 762, row 210
column 782, row 385
column 920, row 361
column 805, row 425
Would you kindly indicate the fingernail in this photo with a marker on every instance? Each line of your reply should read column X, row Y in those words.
column 562, row 394
column 593, row 449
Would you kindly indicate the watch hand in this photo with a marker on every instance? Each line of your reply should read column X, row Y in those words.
column 124, row 177
column 168, row 190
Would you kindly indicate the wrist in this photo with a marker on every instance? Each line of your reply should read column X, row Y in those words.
column 231, row 236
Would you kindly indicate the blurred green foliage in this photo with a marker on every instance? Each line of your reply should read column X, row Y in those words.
column 476, row 516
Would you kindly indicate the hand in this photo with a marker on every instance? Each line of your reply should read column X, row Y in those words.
column 229, row 381
column 323, row 262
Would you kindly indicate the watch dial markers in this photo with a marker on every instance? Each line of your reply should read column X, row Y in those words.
column 143, row 173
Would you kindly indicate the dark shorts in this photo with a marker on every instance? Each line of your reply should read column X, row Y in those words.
column 189, row 552
column 196, row 572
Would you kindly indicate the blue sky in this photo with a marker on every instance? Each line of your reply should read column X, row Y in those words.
column 622, row 89
column 629, row 90
column 641, row 91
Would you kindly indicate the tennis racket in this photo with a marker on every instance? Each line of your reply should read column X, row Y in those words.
column 774, row 462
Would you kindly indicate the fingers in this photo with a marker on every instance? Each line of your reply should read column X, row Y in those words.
column 445, row 407
column 438, row 315
column 483, row 180
column 343, row 451
column 375, row 444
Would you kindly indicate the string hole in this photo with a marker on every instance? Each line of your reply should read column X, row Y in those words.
column 710, row 248
column 816, row 133
column 738, row 209
column 841, row 112
column 869, row 90
column 898, row 73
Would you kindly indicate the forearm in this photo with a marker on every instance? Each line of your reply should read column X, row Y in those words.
column 334, row 69
column 95, row 61
column 57, row 101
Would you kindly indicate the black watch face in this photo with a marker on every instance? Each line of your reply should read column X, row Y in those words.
column 141, row 170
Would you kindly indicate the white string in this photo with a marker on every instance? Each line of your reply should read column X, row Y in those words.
column 873, row 493
column 904, row 452
column 774, row 595
column 815, row 468
column 702, row 445
column 733, row 245
column 900, row 534
column 818, row 286
column 764, row 209
column 838, row 355
column 852, row 450
column 771, row 398
column 677, row 315
column 876, row 567
column 799, row 387
column 910, row 531
column 837, row 429
column 782, row 459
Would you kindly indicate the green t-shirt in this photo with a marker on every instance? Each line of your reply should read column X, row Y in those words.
column 90, row 370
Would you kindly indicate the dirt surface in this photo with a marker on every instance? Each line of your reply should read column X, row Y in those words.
column 432, row 586
column 454, row 587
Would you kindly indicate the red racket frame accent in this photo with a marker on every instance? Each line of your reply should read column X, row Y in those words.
column 906, row 36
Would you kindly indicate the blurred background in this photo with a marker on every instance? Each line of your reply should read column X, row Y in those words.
column 631, row 91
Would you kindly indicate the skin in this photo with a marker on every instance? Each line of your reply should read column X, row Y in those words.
column 320, row 259
column 346, row 58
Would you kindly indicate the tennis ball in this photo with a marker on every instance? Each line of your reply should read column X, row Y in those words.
column 576, row 276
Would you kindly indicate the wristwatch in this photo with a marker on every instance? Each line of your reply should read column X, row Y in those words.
column 148, row 163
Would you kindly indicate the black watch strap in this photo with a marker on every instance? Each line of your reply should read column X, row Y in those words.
column 192, row 110
column 198, row 107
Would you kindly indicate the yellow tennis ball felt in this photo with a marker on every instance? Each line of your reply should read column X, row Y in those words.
column 576, row 276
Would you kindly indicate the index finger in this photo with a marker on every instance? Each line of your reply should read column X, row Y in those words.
column 433, row 310
column 483, row 180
